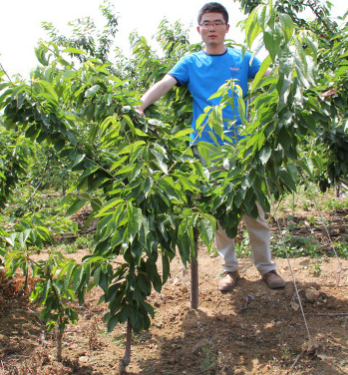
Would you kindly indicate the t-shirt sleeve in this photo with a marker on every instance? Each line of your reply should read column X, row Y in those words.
column 254, row 67
column 180, row 71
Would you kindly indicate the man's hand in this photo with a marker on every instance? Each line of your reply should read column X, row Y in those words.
column 155, row 92
column 140, row 111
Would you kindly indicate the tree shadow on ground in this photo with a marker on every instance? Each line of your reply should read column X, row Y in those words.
column 264, row 336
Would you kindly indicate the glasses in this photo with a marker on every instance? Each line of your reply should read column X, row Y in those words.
column 207, row 25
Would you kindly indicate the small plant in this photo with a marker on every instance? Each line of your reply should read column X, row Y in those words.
column 286, row 354
column 213, row 252
column 69, row 248
column 341, row 249
column 312, row 221
column 243, row 249
column 306, row 206
column 83, row 242
column 315, row 270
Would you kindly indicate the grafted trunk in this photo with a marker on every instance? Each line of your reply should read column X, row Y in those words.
column 59, row 345
column 338, row 190
column 194, row 273
column 125, row 361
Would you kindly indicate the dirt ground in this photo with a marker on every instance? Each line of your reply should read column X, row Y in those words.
column 226, row 335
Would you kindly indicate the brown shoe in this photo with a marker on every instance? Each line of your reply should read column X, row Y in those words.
column 228, row 281
column 273, row 280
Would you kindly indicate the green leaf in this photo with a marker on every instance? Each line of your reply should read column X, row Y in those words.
column 67, row 278
column 287, row 179
column 207, row 230
column 252, row 27
column 165, row 268
column 91, row 91
column 111, row 203
column 264, row 66
column 78, row 203
column 272, row 43
column 78, row 273
column 129, row 123
column 11, row 239
column 265, row 154
column 287, row 26
column 113, row 322
column 135, row 219
column 49, row 88
column 75, row 50
column 182, row 133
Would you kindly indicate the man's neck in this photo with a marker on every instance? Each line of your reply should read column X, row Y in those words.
column 215, row 49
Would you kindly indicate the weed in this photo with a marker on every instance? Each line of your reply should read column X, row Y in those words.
column 84, row 242
column 306, row 206
column 141, row 337
column 312, row 221
column 243, row 249
column 213, row 252
column 209, row 359
column 119, row 340
column 341, row 250
column 315, row 270
column 286, row 354
column 295, row 246
column 69, row 248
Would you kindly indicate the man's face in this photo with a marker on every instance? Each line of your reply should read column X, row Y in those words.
column 213, row 29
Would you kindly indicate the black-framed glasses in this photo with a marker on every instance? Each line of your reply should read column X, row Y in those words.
column 207, row 25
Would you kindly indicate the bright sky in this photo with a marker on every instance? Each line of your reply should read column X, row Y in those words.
column 20, row 25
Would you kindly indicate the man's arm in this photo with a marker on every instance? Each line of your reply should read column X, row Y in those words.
column 267, row 72
column 156, row 92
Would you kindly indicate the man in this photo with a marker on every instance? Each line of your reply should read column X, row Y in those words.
column 204, row 72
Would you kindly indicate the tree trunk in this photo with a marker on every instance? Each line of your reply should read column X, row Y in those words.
column 194, row 273
column 125, row 361
column 337, row 190
column 63, row 188
column 59, row 345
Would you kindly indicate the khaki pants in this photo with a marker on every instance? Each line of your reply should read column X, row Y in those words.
column 259, row 235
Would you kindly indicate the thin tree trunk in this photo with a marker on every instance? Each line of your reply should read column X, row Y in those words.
column 337, row 190
column 59, row 345
column 194, row 273
column 125, row 361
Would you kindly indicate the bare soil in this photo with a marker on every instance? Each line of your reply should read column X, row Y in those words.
column 226, row 335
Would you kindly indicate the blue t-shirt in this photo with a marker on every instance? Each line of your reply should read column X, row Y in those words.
column 204, row 74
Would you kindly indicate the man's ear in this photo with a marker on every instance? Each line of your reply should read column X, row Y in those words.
column 227, row 28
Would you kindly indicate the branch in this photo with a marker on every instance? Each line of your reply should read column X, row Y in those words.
column 318, row 16
column 2, row 68
column 38, row 186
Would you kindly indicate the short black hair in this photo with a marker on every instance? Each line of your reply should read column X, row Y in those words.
column 213, row 8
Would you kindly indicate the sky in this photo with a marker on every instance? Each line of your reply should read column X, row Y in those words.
column 20, row 25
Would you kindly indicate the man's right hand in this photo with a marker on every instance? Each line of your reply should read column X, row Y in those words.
column 155, row 92
column 140, row 111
